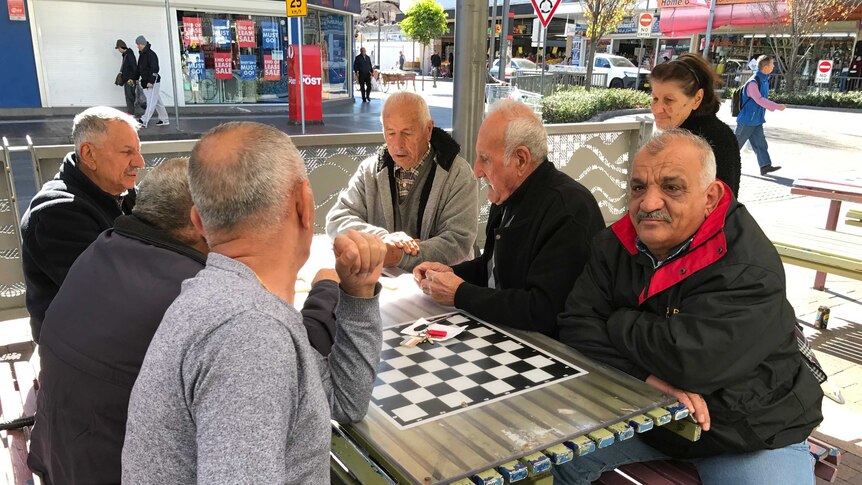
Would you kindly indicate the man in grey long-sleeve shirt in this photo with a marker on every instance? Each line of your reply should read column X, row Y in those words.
column 230, row 390
column 417, row 193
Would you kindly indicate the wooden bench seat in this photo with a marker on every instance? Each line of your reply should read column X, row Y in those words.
column 854, row 218
column 819, row 249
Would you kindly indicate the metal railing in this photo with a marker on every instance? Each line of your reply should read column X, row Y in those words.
column 804, row 83
column 554, row 81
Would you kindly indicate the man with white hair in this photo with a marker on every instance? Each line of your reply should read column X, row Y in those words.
column 416, row 193
column 688, row 294
column 230, row 390
column 538, row 233
column 95, row 185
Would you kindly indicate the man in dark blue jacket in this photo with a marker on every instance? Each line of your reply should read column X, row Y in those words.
column 95, row 185
column 128, row 75
column 98, row 328
column 752, row 116
column 363, row 68
column 151, row 82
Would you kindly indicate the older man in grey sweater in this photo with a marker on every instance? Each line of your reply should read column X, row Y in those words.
column 230, row 390
column 418, row 194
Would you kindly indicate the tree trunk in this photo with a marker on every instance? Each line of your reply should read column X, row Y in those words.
column 422, row 67
column 591, row 51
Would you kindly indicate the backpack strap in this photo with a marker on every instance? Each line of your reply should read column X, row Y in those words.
column 745, row 88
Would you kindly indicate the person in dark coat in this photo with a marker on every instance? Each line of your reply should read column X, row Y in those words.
column 95, row 185
column 683, row 96
column 363, row 68
column 688, row 294
column 436, row 62
column 98, row 328
column 129, row 75
column 151, row 82
column 538, row 235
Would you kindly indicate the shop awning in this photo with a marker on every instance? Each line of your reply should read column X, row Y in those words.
column 688, row 21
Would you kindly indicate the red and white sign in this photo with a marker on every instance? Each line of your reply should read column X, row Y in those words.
column 193, row 32
column 645, row 21
column 245, row 33
column 16, row 10
column 545, row 10
column 311, row 78
column 271, row 68
column 223, row 69
column 824, row 72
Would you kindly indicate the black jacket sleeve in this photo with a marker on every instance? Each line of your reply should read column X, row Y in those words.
column 728, row 165
column 59, row 236
column 129, row 68
column 318, row 315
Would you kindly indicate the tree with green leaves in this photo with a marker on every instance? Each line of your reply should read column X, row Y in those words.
column 424, row 21
column 602, row 18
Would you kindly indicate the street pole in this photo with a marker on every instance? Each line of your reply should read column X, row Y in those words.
column 709, row 28
column 379, row 64
column 544, row 58
column 504, row 34
column 493, row 34
column 301, row 76
column 468, row 106
column 173, row 61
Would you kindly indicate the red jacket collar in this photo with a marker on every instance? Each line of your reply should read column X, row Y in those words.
column 707, row 246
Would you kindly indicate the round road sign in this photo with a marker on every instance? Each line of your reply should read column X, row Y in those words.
column 824, row 66
column 646, row 19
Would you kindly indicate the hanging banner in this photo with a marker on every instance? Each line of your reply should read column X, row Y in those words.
column 269, row 30
column 197, row 69
column 221, row 33
column 223, row 68
column 271, row 68
column 16, row 10
column 245, row 33
column 248, row 67
column 193, row 32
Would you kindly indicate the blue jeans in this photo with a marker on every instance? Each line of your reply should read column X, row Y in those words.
column 754, row 135
column 791, row 465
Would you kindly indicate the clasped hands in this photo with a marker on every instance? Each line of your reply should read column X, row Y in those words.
column 437, row 281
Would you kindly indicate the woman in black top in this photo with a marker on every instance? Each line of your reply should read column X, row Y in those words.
column 683, row 96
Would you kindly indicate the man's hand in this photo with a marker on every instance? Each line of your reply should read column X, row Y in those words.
column 393, row 256
column 419, row 271
column 441, row 286
column 149, row 85
column 693, row 401
column 358, row 261
column 326, row 274
column 782, row 107
column 402, row 241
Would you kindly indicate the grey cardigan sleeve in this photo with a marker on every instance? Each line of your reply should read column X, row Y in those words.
column 351, row 209
column 456, row 221
column 352, row 366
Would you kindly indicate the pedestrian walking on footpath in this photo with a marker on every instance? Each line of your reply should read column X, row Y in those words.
column 752, row 116
column 435, row 66
column 148, row 68
column 363, row 68
column 128, row 77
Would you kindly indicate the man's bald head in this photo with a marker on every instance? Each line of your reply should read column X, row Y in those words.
column 241, row 174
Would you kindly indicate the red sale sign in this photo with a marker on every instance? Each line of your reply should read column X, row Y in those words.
column 193, row 32
column 223, row 69
column 16, row 10
column 271, row 68
column 245, row 33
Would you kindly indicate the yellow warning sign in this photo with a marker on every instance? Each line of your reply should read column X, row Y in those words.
column 296, row 8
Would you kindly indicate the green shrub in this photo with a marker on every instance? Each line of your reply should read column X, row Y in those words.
column 826, row 99
column 574, row 105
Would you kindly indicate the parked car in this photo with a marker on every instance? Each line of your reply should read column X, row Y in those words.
column 621, row 73
column 517, row 65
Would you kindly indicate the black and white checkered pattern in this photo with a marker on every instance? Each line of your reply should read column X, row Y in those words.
column 481, row 365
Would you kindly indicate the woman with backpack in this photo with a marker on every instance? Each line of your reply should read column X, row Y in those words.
column 683, row 96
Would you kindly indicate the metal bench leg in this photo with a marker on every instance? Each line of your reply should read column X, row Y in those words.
column 831, row 224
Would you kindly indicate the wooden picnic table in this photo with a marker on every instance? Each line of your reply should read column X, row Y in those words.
column 480, row 436
column 837, row 192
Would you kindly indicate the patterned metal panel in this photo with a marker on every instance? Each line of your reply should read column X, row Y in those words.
column 11, row 272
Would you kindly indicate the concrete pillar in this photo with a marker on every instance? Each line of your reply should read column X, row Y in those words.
column 469, row 84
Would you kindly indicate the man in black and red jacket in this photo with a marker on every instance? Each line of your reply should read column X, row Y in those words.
column 688, row 294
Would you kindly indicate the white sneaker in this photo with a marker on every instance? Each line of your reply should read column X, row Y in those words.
column 163, row 123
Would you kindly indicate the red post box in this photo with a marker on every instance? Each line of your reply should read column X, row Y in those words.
column 312, row 80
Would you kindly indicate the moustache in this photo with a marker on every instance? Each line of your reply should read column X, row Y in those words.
column 659, row 214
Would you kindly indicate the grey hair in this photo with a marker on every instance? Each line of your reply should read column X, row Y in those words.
column 243, row 186
column 523, row 128
column 90, row 125
column 659, row 143
column 412, row 100
column 164, row 199
column 763, row 61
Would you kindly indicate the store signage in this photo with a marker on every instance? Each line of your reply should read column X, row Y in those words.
column 221, row 33
column 269, row 30
column 685, row 3
column 824, row 72
column 245, row 33
column 296, row 8
column 576, row 29
column 248, row 67
column 545, row 10
column 16, row 10
column 271, row 68
column 278, row 55
column 223, row 69
column 193, row 32
column 627, row 26
column 197, row 69
column 645, row 25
